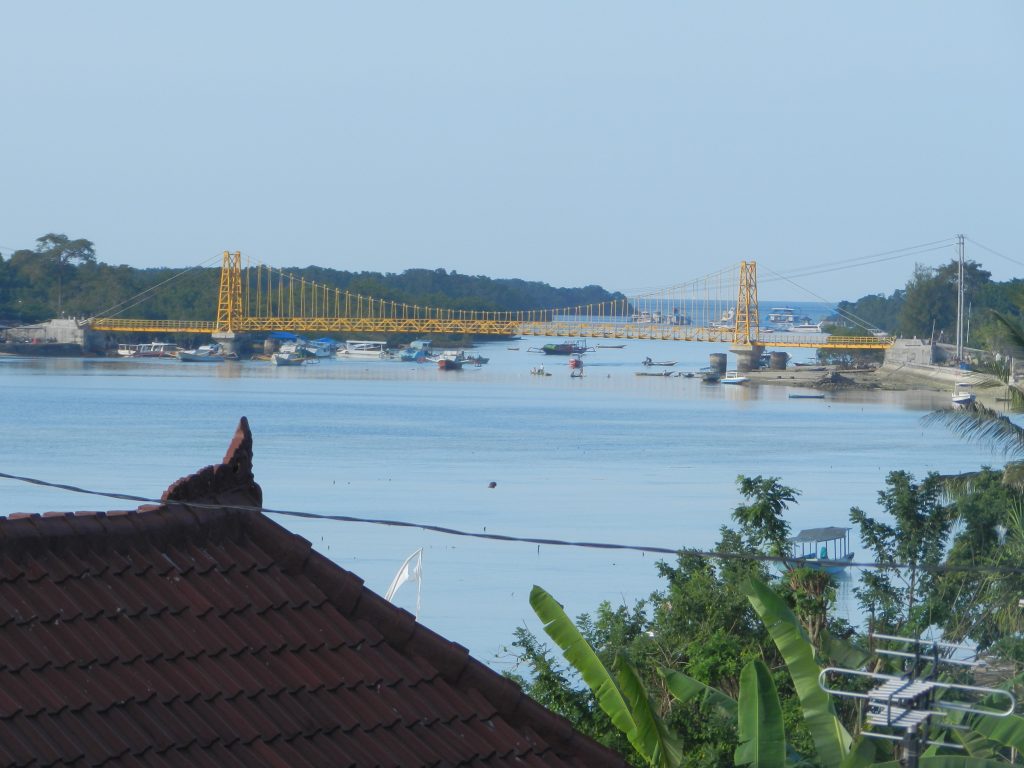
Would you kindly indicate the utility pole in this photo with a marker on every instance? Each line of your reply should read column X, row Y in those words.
column 960, row 302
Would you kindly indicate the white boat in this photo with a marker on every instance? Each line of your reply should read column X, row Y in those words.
column 962, row 395
column 781, row 318
column 733, row 378
column 806, row 328
column 207, row 353
column 728, row 320
column 156, row 349
column 127, row 350
column 364, row 349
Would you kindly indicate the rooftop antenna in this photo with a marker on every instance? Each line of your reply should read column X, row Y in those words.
column 908, row 708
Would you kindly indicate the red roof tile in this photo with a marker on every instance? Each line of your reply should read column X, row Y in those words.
column 186, row 635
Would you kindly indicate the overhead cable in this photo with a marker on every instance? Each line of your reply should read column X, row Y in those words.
column 445, row 530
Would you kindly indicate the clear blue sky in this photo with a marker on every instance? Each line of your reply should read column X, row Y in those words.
column 631, row 145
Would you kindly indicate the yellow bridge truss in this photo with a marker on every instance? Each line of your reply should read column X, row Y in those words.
column 720, row 308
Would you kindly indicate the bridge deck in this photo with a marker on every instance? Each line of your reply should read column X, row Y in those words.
column 475, row 326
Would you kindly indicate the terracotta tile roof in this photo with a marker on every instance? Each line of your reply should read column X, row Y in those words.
column 178, row 635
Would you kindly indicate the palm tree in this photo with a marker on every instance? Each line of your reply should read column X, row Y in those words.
column 977, row 423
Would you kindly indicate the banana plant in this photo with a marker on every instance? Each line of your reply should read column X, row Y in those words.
column 625, row 699
column 831, row 739
column 636, row 718
column 761, row 732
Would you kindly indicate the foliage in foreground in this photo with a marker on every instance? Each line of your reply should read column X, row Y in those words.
column 692, row 676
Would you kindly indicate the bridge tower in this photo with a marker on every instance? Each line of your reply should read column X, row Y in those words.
column 229, row 303
column 748, row 320
column 229, row 299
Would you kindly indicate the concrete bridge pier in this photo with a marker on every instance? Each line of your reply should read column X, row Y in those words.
column 719, row 363
column 748, row 357
column 232, row 342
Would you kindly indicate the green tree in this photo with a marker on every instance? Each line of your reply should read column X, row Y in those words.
column 761, row 519
column 895, row 593
column 931, row 296
column 59, row 251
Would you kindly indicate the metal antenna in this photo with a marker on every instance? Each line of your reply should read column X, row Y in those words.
column 906, row 707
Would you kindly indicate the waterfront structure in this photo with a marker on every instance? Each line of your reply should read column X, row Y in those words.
column 197, row 631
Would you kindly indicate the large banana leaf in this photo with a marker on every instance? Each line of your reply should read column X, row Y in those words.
column 664, row 748
column 761, row 732
column 843, row 652
column 1008, row 731
column 973, row 743
column 684, row 688
column 862, row 754
column 831, row 739
column 577, row 651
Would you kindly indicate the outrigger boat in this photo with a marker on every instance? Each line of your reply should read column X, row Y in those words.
column 577, row 347
column 825, row 549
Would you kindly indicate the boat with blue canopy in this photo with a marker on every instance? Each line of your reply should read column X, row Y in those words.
column 825, row 549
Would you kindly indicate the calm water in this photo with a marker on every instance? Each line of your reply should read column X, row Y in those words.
column 610, row 457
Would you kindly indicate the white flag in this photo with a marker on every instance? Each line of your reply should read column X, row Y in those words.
column 411, row 570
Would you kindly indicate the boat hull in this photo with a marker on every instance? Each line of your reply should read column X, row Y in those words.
column 831, row 566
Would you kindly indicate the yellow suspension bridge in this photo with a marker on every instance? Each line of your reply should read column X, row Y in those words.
column 721, row 307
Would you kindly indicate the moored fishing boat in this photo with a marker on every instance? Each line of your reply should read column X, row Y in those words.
column 451, row 360
column 734, row 378
column 156, row 349
column 577, row 347
column 363, row 349
column 962, row 395
column 288, row 358
column 824, row 549
column 416, row 352
column 207, row 353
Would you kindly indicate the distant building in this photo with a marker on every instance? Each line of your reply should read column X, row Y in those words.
column 177, row 635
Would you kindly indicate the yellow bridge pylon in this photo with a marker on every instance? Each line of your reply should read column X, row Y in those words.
column 255, row 298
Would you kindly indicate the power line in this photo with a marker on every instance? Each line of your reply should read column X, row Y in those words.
column 996, row 253
column 445, row 530
column 808, row 271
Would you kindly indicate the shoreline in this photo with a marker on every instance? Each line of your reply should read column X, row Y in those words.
column 887, row 377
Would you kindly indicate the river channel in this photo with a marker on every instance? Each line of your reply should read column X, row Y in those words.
column 609, row 457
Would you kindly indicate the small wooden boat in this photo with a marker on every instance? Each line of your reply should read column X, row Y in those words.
column 648, row 361
column 806, row 396
column 654, row 373
column 611, row 346
column 207, row 353
column 539, row 371
column 825, row 549
column 577, row 347
column 287, row 358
